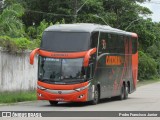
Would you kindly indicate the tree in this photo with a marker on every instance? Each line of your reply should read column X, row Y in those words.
column 122, row 14
column 10, row 22
column 147, row 67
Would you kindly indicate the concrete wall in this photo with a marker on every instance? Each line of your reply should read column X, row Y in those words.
column 16, row 73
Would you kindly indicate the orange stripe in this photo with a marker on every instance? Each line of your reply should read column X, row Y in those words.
column 135, row 68
column 87, row 56
column 32, row 54
column 62, row 55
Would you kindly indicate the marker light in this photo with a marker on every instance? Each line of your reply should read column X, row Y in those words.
column 82, row 88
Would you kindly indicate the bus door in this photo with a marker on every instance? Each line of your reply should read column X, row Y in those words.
column 103, row 71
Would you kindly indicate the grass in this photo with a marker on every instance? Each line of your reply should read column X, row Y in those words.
column 146, row 82
column 13, row 97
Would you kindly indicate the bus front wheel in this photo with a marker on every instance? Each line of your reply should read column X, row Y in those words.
column 96, row 96
column 122, row 95
column 53, row 103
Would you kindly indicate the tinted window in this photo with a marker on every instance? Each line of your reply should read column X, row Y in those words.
column 111, row 43
column 103, row 43
column 134, row 45
column 65, row 41
column 94, row 39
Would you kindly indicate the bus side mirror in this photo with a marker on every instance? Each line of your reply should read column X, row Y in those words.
column 87, row 56
column 32, row 54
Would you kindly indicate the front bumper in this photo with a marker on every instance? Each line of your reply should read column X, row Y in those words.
column 74, row 96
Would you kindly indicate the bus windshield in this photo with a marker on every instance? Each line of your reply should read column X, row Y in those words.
column 61, row 71
column 65, row 41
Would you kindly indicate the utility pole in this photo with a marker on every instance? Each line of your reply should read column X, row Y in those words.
column 75, row 11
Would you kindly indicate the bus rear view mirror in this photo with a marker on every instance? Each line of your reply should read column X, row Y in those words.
column 87, row 56
column 32, row 54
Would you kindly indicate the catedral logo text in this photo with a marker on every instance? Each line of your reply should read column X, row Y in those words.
column 114, row 60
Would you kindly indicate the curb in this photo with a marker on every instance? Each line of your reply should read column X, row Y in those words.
column 24, row 102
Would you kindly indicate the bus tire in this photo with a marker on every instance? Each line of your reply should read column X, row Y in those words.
column 96, row 96
column 126, row 91
column 121, row 96
column 53, row 103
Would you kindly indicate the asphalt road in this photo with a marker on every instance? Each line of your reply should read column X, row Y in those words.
column 145, row 98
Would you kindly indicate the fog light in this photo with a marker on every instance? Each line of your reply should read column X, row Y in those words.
column 81, row 96
column 40, row 95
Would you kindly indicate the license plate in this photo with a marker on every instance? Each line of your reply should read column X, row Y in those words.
column 59, row 99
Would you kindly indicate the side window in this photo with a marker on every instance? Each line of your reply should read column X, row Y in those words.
column 120, row 44
column 111, row 43
column 102, row 43
column 90, row 71
column 94, row 39
column 134, row 45
column 116, row 43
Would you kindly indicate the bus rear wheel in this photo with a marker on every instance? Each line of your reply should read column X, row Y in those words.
column 96, row 96
column 53, row 103
column 126, row 91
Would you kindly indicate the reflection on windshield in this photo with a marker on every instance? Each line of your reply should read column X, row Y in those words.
column 74, row 41
column 60, row 69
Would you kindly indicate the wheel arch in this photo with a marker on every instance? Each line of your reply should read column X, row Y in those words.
column 129, row 86
column 99, row 89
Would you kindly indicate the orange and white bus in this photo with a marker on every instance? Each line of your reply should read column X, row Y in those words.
column 86, row 62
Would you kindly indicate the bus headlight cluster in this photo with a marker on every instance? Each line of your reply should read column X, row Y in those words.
column 82, row 88
column 40, row 87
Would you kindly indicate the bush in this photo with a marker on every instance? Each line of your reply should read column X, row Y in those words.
column 14, row 44
column 31, row 32
column 35, row 44
column 147, row 67
column 22, row 43
column 8, row 44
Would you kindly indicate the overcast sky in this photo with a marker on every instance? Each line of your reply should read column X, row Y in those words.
column 154, row 6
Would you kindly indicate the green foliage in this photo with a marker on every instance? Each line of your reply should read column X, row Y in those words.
column 146, row 32
column 147, row 67
column 36, row 32
column 10, row 22
column 17, row 96
column 43, row 25
column 31, row 32
column 35, row 44
column 14, row 44
column 154, row 50
column 22, row 43
column 7, row 43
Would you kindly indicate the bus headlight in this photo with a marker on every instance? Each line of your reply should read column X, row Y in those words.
column 82, row 88
column 40, row 87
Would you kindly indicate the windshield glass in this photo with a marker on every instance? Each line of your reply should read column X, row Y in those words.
column 65, row 41
column 61, row 70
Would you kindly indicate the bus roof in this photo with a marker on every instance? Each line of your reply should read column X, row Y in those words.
column 87, row 27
